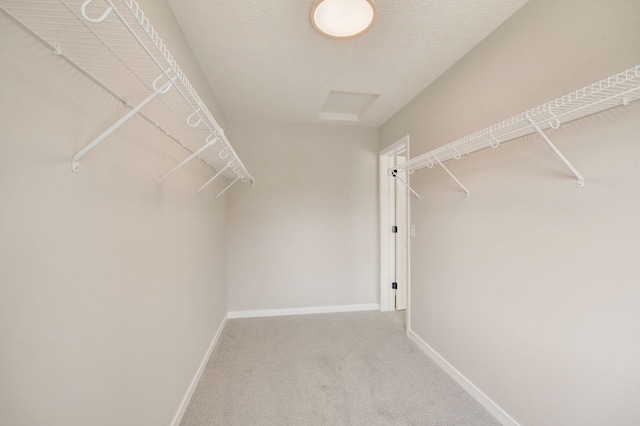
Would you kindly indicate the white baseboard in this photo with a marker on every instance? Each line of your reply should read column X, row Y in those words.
column 473, row 390
column 303, row 311
column 194, row 383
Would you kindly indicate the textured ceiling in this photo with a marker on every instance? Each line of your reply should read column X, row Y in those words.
column 265, row 61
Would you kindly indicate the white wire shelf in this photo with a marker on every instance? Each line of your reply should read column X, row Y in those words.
column 113, row 42
column 619, row 89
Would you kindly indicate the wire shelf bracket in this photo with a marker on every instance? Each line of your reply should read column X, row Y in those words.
column 394, row 173
column 75, row 161
column 228, row 186
column 464, row 188
column 619, row 89
column 212, row 179
column 113, row 43
column 211, row 140
column 579, row 177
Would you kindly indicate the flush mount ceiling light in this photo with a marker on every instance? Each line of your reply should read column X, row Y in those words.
column 342, row 18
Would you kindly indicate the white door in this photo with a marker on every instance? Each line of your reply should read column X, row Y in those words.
column 401, row 242
column 394, row 232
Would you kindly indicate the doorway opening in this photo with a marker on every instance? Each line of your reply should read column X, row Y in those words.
column 394, row 230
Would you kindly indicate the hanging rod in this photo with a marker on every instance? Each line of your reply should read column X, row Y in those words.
column 114, row 43
column 619, row 89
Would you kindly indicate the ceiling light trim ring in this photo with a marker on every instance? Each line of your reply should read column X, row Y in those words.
column 317, row 12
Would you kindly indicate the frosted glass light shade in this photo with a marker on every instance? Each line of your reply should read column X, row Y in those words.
column 342, row 18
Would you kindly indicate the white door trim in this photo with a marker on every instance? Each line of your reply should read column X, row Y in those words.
column 385, row 243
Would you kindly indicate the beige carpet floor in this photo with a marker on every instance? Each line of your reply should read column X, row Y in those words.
column 328, row 369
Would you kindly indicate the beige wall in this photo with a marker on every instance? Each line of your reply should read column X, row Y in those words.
column 530, row 288
column 111, row 289
column 306, row 234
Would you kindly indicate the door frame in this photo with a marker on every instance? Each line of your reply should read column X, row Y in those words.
column 385, row 244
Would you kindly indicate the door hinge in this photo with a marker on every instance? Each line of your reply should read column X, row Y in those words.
column 394, row 286
column 394, row 229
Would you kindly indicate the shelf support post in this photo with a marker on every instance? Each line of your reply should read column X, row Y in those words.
column 452, row 176
column 579, row 177
column 75, row 162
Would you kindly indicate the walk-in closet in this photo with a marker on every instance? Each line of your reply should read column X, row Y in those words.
column 319, row 212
